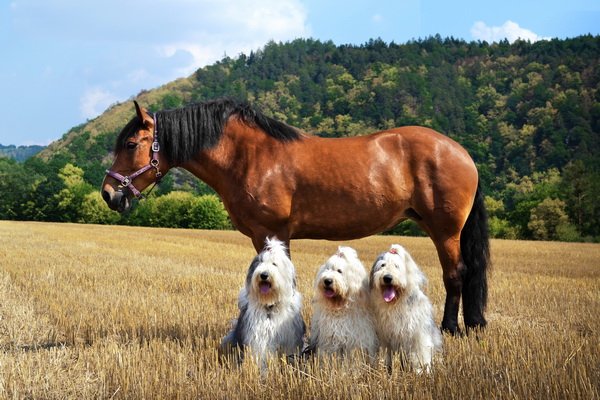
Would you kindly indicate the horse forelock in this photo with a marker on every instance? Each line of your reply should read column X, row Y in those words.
column 134, row 125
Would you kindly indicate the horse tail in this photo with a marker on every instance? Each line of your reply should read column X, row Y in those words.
column 475, row 249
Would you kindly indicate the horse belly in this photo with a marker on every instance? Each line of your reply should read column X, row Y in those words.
column 345, row 217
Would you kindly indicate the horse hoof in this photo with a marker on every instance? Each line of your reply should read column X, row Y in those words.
column 452, row 331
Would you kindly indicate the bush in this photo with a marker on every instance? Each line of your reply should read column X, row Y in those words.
column 207, row 212
column 502, row 229
column 567, row 232
column 180, row 210
column 94, row 210
column 172, row 210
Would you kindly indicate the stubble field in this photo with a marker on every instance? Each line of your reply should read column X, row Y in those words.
column 100, row 312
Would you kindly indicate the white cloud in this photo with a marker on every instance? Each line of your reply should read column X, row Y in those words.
column 237, row 27
column 141, row 46
column 509, row 30
column 205, row 29
column 94, row 101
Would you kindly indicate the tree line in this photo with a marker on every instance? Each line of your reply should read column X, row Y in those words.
column 528, row 113
column 31, row 194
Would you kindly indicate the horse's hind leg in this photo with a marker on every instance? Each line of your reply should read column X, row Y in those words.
column 449, row 254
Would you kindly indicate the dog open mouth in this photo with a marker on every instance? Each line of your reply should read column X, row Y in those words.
column 264, row 287
column 329, row 293
column 389, row 293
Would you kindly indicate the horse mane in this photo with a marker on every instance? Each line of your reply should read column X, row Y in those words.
column 183, row 132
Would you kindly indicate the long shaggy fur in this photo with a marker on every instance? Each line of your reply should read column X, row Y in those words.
column 183, row 132
column 403, row 313
column 270, row 321
column 475, row 250
column 341, row 321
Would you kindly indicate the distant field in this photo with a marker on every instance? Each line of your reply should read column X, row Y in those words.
column 120, row 312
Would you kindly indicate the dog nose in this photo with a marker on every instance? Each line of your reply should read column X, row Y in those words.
column 387, row 278
column 327, row 282
column 264, row 276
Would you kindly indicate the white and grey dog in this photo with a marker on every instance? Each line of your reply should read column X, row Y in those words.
column 341, row 321
column 403, row 313
column 270, row 323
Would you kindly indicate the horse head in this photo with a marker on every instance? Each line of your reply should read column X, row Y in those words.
column 137, row 164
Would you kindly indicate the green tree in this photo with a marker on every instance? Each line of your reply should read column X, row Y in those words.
column 72, row 196
column 546, row 218
column 522, row 197
column 17, row 187
column 499, row 227
column 581, row 188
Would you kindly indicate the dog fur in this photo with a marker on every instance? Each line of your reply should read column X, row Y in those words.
column 403, row 313
column 342, row 322
column 270, row 321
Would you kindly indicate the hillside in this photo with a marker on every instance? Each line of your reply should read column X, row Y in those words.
column 529, row 114
column 19, row 153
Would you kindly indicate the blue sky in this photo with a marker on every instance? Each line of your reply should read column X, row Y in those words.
column 63, row 62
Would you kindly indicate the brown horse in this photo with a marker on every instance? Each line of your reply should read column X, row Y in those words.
column 277, row 181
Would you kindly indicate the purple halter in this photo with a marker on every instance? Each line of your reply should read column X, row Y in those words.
column 127, row 181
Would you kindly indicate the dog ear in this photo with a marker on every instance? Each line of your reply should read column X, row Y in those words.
column 243, row 299
column 416, row 275
column 255, row 263
column 372, row 274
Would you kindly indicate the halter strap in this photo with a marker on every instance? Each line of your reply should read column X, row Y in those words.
column 127, row 180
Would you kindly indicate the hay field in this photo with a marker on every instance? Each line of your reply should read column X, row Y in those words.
column 99, row 312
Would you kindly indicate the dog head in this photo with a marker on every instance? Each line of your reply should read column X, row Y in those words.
column 340, row 279
column 395, row 275
column 271, row 275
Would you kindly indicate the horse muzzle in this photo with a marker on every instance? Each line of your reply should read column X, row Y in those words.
column 116, row 200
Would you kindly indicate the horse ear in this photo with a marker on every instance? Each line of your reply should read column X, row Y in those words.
column 142, row 114
column 138, row 110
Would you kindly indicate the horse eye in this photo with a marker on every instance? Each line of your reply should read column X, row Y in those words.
column 131, row 145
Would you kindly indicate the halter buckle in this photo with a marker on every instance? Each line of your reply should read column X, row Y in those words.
column 155, row 147
column 126, row 181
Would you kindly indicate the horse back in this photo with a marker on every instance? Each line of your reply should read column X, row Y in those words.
column 370, row 183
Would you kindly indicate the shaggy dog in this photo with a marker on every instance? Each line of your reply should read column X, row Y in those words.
column 269, row 322
column 341, row 321
column 403, row 314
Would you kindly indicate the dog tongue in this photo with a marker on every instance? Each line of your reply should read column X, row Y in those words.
column 329, row 293
column 264, row 287
column 389, row 294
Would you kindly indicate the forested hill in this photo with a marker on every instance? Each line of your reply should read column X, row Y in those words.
column 529, row 114
column 19, row 153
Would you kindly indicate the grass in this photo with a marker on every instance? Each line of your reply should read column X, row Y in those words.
column 121, row 312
